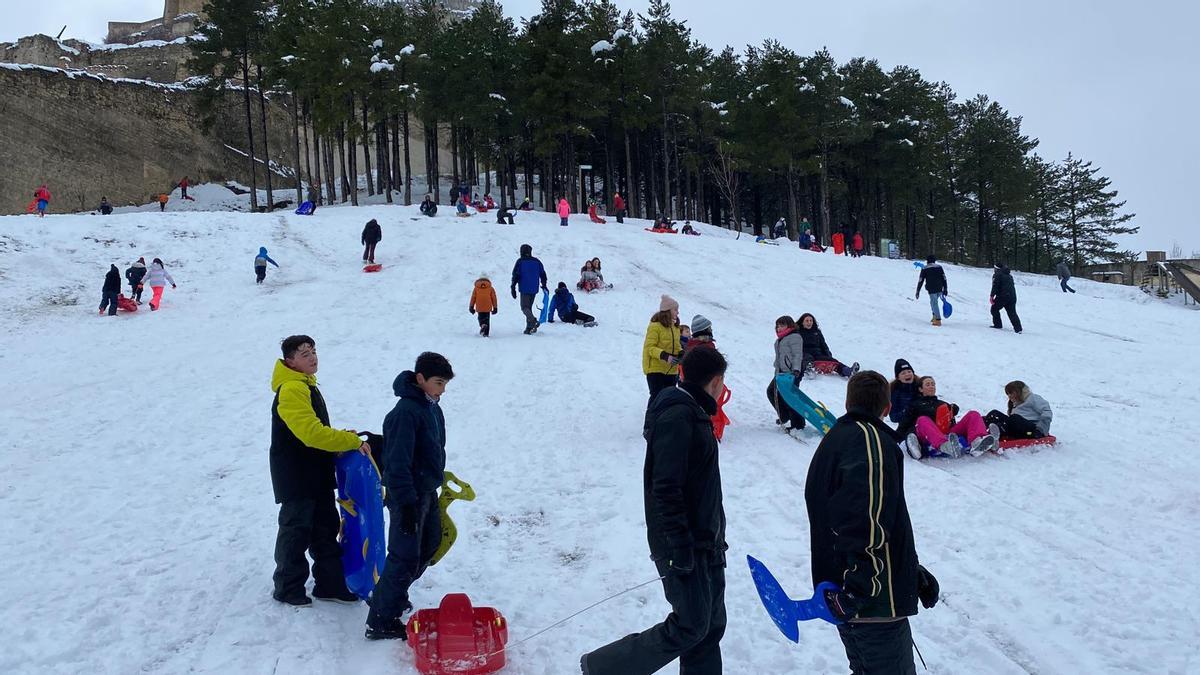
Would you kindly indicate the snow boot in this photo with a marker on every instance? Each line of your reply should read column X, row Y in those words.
column 935, row 321
column 589, row 324
column 854, row 369
column 982, row 446
column 994, row 432
column 951, row 448
column 298, row 600
column 912, row 445
column 341, row 595
column 391, row 629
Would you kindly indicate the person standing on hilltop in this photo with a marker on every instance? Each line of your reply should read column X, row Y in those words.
column 183, row 186
column 564, row 211
column 933, row 277
column 619, row 207
column 1004, row 297
column 41, row 201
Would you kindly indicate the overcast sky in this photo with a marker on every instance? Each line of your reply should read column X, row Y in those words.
column 1113, row 82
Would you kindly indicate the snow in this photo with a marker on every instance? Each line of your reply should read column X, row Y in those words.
column 601, row 46
column 116, row 46
column 133, row 467
column 906, row 141
column 288, row 59
column 380, row 66
column 620, row 33
column 408, row 49
column 377, row 44
column 74, row 74
column 498, row 97
column 846, row 102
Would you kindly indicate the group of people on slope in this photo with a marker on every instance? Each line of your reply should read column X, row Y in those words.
column 528, row 276
column 1003, row 295
column 800, row 349
column 411, row 454
column 139, row 276
column 932, row 427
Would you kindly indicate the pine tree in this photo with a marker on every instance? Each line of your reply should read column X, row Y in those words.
column 1089, row 216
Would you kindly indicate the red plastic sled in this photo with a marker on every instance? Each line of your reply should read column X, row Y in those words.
column 458, row 639
column 126, row 304
column 1011, row 443
column 721, row 420
column 373, row 267
column 660, row 230
column 825, row 367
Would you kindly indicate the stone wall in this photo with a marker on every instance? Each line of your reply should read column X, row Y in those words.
column 87, row 136
column 155, row 61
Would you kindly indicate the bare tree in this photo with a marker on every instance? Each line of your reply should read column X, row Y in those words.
column 727, row 177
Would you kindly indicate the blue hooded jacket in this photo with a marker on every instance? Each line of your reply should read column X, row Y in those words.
column 528, row 274
column 414, row 446
column 563, row 303
column 262, row 255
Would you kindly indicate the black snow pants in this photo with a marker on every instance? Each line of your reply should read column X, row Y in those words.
column 408, row 555
column 784, row 411
column 883, row 648
column 308, row 525
column 1010, row 308
column 691, row 632
column 369, row 251
column 656, row 382
column 108, row 300
column 260, row 273
column 485, row 323
column 1012, row 426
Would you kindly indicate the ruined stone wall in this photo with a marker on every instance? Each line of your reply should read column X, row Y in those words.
column 157, row 62
column 86, row 137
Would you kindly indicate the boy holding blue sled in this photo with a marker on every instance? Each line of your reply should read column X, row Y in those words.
column 861, row 535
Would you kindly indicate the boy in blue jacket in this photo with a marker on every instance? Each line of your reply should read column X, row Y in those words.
column 260, row 264
column 568, row 311
column 414, row 459
column 528, row 274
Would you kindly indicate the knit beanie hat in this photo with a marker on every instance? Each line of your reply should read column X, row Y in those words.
column 526, row 249
column 666, row 303
column 901, row 366
column 701, row 324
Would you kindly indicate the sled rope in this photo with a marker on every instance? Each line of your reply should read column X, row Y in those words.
column 589, row 607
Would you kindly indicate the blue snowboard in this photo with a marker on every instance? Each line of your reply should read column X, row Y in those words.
column 360, row 499
column 784, row 611
column 815, row 413
column 545, row 307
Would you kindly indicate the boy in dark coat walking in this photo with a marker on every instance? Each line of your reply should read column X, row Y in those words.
column 110, row 291
column 933, row 277
column 685, row 526
column 861, row 535
column 372, row 234
column 1004, row 297
column 303, row 446
column 134, row 274
column 414, row 460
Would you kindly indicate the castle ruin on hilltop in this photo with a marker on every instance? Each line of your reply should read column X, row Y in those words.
column 178, row 20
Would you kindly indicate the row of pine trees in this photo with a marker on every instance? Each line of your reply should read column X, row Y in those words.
column 733, row 138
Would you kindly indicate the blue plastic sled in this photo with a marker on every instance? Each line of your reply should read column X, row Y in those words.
column 545, row 307
column 947, row 308
column 306, row 209
column 784, row 611
column 918, row 264
column 816, row 413
column 360, row 499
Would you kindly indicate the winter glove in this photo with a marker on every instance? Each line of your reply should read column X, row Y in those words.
column 514, row 292
column 408, row 519
column 843, row 604
column 173, row 286
column 682, row 561
column 927, row 587
column 471, row 310
column 495, row 312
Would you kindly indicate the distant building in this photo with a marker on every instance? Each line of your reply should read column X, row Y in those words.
column 178, row 20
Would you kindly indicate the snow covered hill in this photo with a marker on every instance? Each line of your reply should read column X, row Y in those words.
column 138, row 521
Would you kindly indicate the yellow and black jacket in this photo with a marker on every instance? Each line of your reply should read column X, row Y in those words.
column 303, row 444
column 861, row 535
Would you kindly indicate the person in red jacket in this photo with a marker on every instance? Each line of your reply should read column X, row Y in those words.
column 857, row 244
column 619, row 207
column 41, row 201
column 183, row 186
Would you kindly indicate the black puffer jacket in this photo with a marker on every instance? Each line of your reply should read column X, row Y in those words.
column 414, row 443
column 112, row 280
column 815, row 347
column 922, row 406
column 859, row 527
column 1003, row 289
column 682, row 476
column 372, row 233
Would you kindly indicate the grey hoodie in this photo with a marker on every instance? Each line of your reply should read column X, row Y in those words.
column 1062, row 270
column 1036, row 410
column 789, row 353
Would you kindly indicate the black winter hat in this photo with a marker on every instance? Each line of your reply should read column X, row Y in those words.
column 930, row 259
column 526, row 249
column 902, row 365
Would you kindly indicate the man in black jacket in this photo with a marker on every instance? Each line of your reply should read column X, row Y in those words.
column 685, row 526
column 933, row 277
column 861, row 535
column 414, row 460
column 1004, row 296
